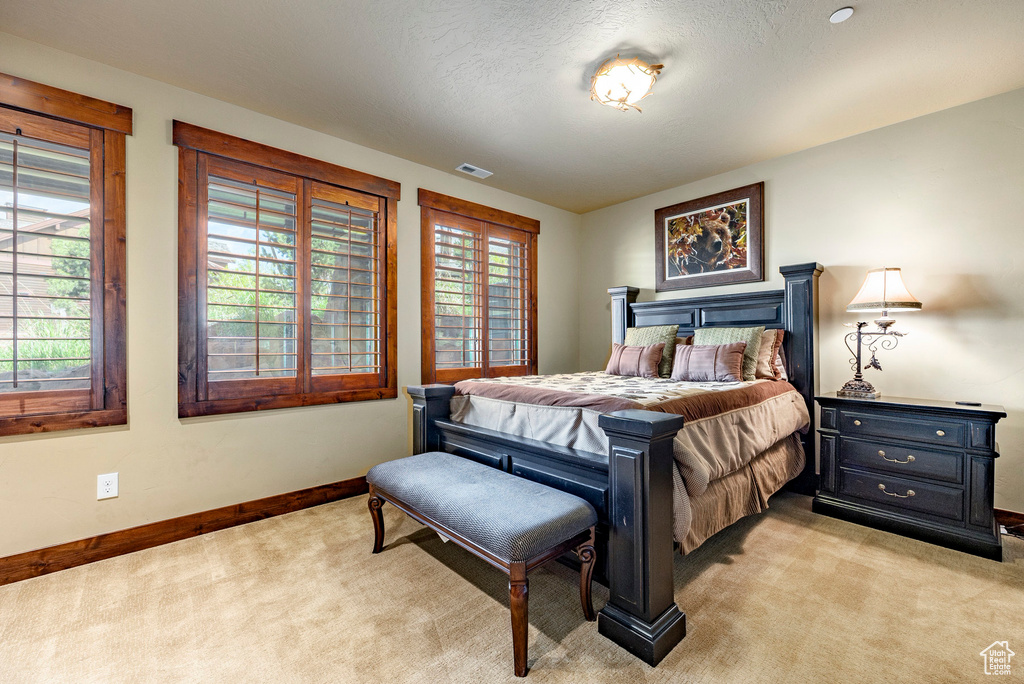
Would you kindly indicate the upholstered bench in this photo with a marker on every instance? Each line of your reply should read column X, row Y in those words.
column 514, row 524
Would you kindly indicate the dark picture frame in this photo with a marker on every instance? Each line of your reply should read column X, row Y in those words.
column 713, row 240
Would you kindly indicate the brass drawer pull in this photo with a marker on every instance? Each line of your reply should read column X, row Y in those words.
column 910, row 493
column 940, row 433
column 856, row 422
column 910, row 458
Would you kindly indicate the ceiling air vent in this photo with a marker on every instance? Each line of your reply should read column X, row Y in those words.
column 473, row 170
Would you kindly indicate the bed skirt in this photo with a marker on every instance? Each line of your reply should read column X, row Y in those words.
column 740, row 493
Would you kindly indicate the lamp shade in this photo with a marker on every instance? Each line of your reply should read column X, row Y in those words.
column 883, row 290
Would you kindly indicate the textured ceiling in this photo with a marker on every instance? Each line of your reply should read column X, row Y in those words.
column 504, row 84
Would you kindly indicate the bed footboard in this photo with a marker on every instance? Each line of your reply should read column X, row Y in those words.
column 630, row 487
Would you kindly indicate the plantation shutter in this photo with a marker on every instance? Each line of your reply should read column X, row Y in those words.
column 47, row 289
column 62, row 259
column 458, row 298
column 508, row 301
column 292, row 297
column 480, row 298
column 252, row 282
column 347, row 293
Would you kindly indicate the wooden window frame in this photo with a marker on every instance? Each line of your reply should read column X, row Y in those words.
column 54, row 114
column 431, row 203
column 197, row 146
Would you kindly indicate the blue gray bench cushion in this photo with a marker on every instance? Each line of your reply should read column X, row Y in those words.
column 512, row 518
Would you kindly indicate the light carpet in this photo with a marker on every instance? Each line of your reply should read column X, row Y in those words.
column 786, row 596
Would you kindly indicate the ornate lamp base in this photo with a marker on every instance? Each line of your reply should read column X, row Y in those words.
column 859, row 389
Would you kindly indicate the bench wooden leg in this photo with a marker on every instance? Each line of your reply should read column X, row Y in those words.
column 587, row 555
column 518, row 589
column 374, row 504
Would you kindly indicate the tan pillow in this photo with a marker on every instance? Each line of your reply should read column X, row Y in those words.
column 780, row 365
column 709, row 363
column 768, row 356
column 684, row 340
column 635, row 361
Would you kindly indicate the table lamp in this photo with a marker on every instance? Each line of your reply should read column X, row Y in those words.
column 883, row 291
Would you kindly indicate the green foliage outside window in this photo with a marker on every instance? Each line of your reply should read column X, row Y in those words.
column 55, row 355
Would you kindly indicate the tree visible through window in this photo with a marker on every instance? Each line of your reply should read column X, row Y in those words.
column 479, row 282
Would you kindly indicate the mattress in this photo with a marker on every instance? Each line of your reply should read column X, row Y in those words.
column 727, row 425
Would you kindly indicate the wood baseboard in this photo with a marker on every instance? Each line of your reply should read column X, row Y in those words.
column 63, row 556
column 1009, row 518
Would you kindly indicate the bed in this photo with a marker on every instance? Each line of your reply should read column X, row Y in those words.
column 636, row 481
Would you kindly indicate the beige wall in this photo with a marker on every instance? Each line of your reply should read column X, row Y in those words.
column 170, row 467
column 939, row 196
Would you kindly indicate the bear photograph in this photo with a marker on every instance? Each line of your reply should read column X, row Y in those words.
column 710, row 241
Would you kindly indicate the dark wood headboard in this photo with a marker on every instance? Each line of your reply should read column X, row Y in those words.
column 794, row 309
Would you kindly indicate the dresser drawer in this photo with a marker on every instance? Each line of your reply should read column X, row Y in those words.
column 902, row 460
column 931, row 499
column 857, row 424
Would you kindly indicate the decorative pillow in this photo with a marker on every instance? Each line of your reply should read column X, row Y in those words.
column 768, row 355
column 636, row 361
column 684, row 340
column 709, row 363
column 752, row 336
column 780, row 365
column 653, row 334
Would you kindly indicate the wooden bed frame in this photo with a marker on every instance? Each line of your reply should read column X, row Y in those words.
column 630, row 486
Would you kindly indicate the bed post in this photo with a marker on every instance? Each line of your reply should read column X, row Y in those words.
column 641, row 614
column 430, row 403
column 799, row 313
column 622, row 314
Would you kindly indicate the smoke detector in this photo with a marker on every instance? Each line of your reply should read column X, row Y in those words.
column 475, row 171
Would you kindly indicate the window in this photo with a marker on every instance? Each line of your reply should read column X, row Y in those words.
column 62, row 259
column 479, row 309
column 286, row 278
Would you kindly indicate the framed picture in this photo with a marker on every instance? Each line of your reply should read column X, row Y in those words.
column 714, row 240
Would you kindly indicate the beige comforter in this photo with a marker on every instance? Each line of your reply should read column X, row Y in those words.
column 727, row 424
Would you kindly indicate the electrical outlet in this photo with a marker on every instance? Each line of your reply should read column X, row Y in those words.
column 106, row 486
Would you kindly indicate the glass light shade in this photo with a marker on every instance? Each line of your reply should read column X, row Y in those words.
column 621, row 83
column 883, row 290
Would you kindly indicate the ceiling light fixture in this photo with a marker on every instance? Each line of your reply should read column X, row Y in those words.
column 841, row 15
column 621, row 83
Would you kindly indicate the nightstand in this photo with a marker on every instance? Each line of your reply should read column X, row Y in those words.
column 920, row 468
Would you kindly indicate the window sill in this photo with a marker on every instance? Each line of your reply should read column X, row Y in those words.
column 55, row 422
column 223, row 406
